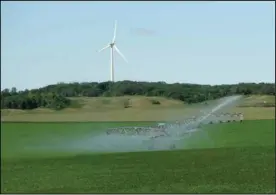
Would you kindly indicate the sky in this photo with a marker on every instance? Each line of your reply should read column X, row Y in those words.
column 215, row 42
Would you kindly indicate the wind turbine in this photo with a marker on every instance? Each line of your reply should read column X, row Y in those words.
column 113, row 46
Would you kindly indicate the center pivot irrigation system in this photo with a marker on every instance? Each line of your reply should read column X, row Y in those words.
column 112, row 46
column 174, row 130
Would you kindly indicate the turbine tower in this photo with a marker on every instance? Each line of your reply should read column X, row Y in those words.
column 112, row 46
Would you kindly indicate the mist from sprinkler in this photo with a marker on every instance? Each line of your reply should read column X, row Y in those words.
column 102, row 143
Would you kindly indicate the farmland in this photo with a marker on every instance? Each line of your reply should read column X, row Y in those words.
column 225, row 158
column 63, row 157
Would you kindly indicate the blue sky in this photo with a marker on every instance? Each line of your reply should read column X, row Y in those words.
column 192, row 42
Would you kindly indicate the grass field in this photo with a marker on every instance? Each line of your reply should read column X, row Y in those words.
column 224, row 158
column 141, row 109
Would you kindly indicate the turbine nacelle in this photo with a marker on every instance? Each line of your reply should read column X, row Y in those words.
column 112, row 44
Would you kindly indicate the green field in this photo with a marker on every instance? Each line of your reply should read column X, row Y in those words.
column 224, row 158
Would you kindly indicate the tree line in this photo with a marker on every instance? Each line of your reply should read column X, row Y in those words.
column 57, row 96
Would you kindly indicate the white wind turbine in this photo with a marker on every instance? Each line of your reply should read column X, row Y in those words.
column 113, row 46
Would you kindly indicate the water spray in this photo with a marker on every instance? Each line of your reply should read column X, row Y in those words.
column 137, row 142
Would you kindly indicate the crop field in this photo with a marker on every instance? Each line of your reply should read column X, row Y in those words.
column 64, row 158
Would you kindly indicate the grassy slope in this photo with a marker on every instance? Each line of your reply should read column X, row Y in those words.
column 240, row 160
column 112, row 109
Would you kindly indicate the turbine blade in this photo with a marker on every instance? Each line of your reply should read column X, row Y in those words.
column 115, row 29
column 104, row 48
column 118, row 51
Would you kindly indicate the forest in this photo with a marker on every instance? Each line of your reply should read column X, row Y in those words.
column 57, row 96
